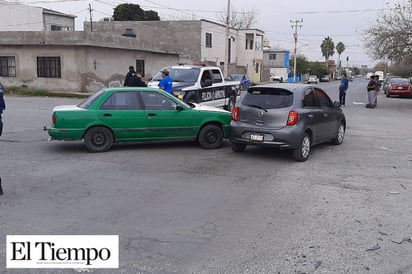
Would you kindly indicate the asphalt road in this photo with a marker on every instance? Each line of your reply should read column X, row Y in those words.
column 181, row 209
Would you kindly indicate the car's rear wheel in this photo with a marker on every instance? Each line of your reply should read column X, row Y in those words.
column 340, row 135
column 210, row 136
column 236, row 147
column 301, row 153
column 98, row 139
column 387, row 94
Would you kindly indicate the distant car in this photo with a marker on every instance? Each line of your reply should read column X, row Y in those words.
column 244, row 80
column 385, row 83
column 312, row 79
column 286, row 116
column 118, row 115
column 325, row 78
column 399, row 86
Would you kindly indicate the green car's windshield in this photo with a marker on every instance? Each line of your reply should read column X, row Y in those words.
column 86, row 103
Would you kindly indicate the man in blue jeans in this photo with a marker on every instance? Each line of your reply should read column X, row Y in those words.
column 2, row 106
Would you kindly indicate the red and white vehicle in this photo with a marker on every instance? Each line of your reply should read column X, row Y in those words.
column 399, row 86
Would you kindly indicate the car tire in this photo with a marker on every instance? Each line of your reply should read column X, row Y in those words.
column 236, row 147
column 340, row 135
column 388, row 95
column 210, row 137
column 301, row 153
column 98, row 139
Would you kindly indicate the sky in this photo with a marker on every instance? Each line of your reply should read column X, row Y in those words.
column 343, row 21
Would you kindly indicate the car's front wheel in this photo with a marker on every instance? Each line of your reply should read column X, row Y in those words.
column 98, row 139
column 340, row 135
column 236, row 147
column 210, row 136
column 301, row 153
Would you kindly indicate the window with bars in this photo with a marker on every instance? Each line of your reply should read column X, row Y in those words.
column 8, row 66
column 208, row 40
column 49, row 67
column 272, row 56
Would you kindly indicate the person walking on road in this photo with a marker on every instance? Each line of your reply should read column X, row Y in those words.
column 167, row 82
column 371, row 92
column 2, row 106
column 377, row 89
column 128, row 76
column 343, row 87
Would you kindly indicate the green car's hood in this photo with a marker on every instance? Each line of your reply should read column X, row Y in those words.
column 208, row 108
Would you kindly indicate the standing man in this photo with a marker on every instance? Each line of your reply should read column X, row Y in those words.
column 371, row 92
column 2, row 106
column 343, row 87
column 167, row 82
column 377, row 89
column 136, row 81
column 128, row 76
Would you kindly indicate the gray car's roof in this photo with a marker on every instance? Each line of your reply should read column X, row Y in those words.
column 288, row 86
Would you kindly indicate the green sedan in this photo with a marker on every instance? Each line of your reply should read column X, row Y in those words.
column 118, row 115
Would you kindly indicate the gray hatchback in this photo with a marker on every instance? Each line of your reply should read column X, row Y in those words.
column 286, row 116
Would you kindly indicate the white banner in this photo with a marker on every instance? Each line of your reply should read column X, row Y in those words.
column 62, row 251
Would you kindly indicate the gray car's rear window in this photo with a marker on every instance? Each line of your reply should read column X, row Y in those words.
column 268, row 98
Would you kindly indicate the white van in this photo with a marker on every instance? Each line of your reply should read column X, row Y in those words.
column 380, row 74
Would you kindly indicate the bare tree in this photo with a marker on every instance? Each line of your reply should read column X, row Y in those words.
column 239, row 20
column 391, row 37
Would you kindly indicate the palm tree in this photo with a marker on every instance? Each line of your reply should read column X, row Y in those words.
column 327, row 48
column 340, row 47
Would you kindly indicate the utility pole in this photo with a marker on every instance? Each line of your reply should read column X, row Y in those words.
column 91, row 21
column 295, row 24
column 225, row 66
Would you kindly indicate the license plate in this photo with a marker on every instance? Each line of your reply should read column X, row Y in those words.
column 400, row 87
column 256, row 137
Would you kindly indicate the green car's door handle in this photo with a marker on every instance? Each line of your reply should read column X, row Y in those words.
column 151, row 114
column 107, row 114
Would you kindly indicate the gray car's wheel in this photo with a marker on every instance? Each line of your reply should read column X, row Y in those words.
column 236, row 147
column 210, row 136
column 301, row 153
column 98, row 139
column 340, row 135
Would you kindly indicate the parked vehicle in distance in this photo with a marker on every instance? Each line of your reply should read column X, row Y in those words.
column 312, row 79
column 286, row 116
column 201, row 84
column 279, row 75
column 244, row 80
column 385, row 83
column 117, row 115
column 368, row 75
column 325, row 78
column 399, row 86
column 380, row 74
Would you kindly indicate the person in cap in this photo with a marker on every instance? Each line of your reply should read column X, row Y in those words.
column 129, row 74
column 166, row 83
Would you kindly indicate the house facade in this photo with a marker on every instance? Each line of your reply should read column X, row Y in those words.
column 273, row 59
column 18, row 17
column 197, row 41
column 51, row 55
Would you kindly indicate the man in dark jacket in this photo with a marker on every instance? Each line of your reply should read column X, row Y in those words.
column 136, row 81
column 2, row 106
column 128, row 75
